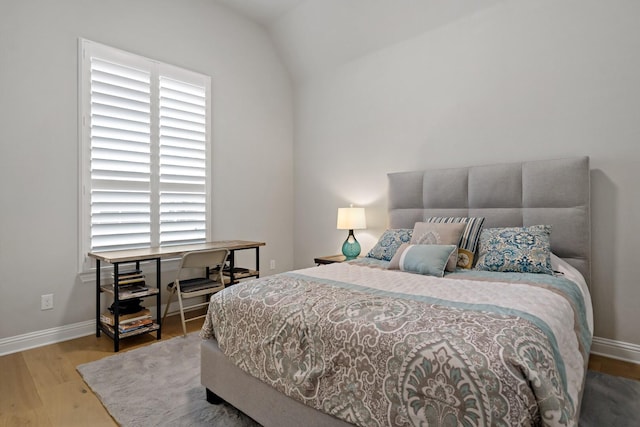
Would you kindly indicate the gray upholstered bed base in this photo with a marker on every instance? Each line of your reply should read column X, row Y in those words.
column 554, row 192
column 253, row 397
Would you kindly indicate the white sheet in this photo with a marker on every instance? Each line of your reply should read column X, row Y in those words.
column 571, row 273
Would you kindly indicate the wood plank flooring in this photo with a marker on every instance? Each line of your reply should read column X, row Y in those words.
column 615, row 367
column 41, row 387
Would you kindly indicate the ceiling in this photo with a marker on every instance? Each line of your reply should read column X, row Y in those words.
column 316, row 36
column 262, row 11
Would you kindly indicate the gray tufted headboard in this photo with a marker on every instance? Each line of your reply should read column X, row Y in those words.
column 553, row 192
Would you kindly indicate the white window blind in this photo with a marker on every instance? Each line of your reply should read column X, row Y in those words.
column 120, row 123
column 145, row 152
column 183, row 171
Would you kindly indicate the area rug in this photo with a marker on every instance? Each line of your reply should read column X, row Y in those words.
column 159, row 385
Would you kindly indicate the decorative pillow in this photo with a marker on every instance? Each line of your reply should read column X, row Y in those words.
column 469, row 239
column 519, row 249
column 389, row 243
column 426, row 233
column 430, row 260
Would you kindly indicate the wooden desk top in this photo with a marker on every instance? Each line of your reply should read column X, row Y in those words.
column 170, row 251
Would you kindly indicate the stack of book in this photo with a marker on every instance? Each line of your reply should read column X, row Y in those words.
column 132, row 317
column 131, row 281
column 128, row 322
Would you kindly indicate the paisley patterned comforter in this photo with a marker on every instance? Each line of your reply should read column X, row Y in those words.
column 376, row 347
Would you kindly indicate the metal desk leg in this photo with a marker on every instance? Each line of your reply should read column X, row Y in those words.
column 98, row 298
column 258, row 260
column 116, row 308
column 232, row 263
column 158, row 299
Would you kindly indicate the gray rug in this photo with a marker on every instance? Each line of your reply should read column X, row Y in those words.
column 159, row 385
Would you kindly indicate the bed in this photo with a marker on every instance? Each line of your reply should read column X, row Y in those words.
column 369, row 343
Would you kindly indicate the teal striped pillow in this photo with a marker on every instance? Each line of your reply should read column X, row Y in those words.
column 429, row 260
column 469, row 239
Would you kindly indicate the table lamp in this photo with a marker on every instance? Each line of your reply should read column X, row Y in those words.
column 351, row 219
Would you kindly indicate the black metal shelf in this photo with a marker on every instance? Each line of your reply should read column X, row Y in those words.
column 136, row 256
column 113, row 331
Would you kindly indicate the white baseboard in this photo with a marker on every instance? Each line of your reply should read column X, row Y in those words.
column 47, row 336
column 616, row 349
column 63, row 333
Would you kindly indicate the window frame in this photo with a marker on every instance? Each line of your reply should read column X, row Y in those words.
column 157, row 69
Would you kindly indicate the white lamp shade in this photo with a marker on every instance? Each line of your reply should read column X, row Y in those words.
column 351, row 219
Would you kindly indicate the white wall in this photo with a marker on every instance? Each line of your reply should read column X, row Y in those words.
column 520, row 80
column 502, row 81
column 252, row 137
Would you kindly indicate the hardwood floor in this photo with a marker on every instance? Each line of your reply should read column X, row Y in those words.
column 41, row 387
column 615, row 367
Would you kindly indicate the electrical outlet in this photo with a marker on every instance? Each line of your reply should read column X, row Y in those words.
column 272, row 264
column 46, row 302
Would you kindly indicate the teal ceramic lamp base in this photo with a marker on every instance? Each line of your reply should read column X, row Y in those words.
column 351, row 247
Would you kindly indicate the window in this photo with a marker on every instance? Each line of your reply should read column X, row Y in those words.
column 145, row 152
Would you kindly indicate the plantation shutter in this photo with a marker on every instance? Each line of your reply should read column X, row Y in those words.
column 183, row 177
column 145, row 144
column 120, row 132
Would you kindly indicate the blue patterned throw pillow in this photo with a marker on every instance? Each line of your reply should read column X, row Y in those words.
column 517, row 249
column 389, row 243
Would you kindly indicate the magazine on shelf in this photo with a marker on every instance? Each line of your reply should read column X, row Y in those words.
column 127, row 273
column 109, row 318
column 147, row 328
column 130, row 326
column 138, row 279
column 227, row 270
column 124, row 293
column 133, row 288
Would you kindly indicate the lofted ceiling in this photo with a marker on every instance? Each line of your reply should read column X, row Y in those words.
column 262, row 11
column 316, row 36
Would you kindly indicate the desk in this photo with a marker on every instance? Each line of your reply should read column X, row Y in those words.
column 116, row 258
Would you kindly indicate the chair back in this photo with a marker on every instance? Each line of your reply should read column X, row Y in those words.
column 209, row 258
column 211, row 261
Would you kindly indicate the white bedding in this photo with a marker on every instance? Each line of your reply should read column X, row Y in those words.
column 522, row 297
column 532, row 331
column 570, row 272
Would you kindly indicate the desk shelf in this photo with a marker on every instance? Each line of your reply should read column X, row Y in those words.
column 108, row 329
column 239, row 274
column 156, row 254
column 125, row 295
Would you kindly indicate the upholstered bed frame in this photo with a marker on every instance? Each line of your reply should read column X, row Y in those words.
column 553, row 192
column 550, row 192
